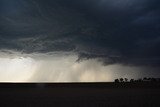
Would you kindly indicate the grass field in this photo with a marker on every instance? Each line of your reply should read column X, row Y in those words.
column 80, row 95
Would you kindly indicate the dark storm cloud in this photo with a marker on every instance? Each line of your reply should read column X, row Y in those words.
column 114, row 31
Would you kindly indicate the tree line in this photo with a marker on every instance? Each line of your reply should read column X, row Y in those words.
column 145, row 79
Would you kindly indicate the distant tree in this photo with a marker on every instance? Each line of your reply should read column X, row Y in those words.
column 149, row 79
column 116, row 80
column 126, row 79
column 145, row 79
column 132, row 80
column 153, row 80
column 121, row 80
column 139, row 80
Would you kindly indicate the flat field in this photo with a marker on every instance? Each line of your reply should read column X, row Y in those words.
column 80, row 94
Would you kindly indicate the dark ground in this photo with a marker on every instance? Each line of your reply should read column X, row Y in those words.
column 80, row 95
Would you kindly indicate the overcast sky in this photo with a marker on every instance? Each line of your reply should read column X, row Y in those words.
column 78, row 40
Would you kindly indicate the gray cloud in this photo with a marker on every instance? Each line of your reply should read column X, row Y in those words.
column 121, row 32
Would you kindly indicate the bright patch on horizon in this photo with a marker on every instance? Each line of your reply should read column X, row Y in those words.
column 61, row 68
column 16, row 69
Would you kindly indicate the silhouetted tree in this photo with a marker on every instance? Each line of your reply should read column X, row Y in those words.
column 145, row 79
column 116, row 80
column 132, row 80
column 153, row 80
column 121, row 80
column 149, row 79
column 139, row 80
column 126, row 79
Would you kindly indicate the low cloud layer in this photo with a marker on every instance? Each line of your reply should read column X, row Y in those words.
column 59, row 67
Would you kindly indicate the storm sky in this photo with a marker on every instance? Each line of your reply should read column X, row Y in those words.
column 79, row 40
